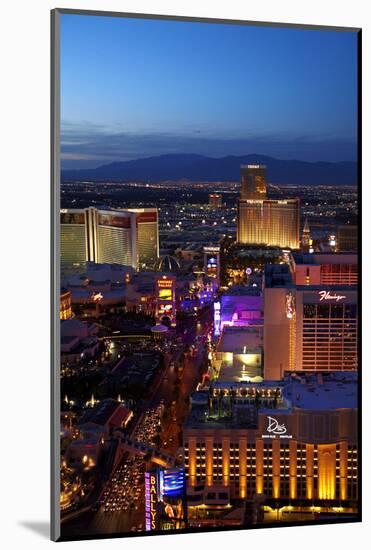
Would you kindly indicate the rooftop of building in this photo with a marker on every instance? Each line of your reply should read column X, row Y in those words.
column 99, row 273
column 322, row 391
column 242, row 290
column 238, row 404
column 278, row 275
column 246, row 339
column 72, row 325
column 101, row 413
column 229, row 404
column 320, row 258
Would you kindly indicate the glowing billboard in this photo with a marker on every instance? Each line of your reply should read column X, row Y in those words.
column 165, row 294
column 217, row 318
column 165, row 499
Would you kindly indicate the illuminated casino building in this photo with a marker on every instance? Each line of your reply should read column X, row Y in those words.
column 212, row 263
column 264, row 221
column 65, row 311
column 126, row 237
column 73, row 239
column 289, row 447
column 253, row 181
column 147, row 236
column 114, row 237
column 165, row 508
column 311, row 314
column 241, row 306
column 166, row 299
column 269, row 222
column 324, row 269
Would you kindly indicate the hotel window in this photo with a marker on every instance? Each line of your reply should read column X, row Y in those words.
column 339, row 274
column 352, row 473
column 186, row 460
column 267, row 468
column 250, row 469
column 329, row 339
column 233, row 460
column 284, row 470
column 315, row 469
column 301, row 470
column 337, row 471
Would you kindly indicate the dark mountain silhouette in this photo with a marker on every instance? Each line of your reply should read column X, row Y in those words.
column 201, row 168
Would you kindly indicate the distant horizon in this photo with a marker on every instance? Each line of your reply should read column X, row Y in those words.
column 193, row 167
column 214, row 157
column 137, row 88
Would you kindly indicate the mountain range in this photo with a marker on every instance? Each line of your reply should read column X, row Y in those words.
column 202, row 168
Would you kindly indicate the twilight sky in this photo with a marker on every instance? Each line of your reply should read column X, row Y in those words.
column 133, row 88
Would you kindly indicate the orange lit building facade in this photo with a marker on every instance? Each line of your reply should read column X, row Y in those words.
column 253, row 181
column 65, row 309
column 235, row 452
column 310, row 321
column 324, row 269
column 269, row 222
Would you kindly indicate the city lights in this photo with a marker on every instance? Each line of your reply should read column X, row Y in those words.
column 209, row 332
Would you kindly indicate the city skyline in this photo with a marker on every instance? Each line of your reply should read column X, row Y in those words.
column 295, row 96
column 209, row 318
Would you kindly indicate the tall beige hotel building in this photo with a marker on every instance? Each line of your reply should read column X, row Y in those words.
column 126, row 237
column 265, row 221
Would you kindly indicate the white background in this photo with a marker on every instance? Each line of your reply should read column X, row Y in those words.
column 24, row 304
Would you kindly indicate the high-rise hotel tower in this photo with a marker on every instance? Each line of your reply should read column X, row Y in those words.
column 311, row 314
column 126, row 237
column 253, row 182
column 263, row 221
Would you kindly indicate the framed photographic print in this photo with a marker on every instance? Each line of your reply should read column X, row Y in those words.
column 206, row 182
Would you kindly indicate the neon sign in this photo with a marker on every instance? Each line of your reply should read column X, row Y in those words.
column 164, row 499
column 326, row 295
column 217, row 318
column 165, row 284
column 165, row 309
column 275, row 429
column 151, row 501
column 172, row 482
